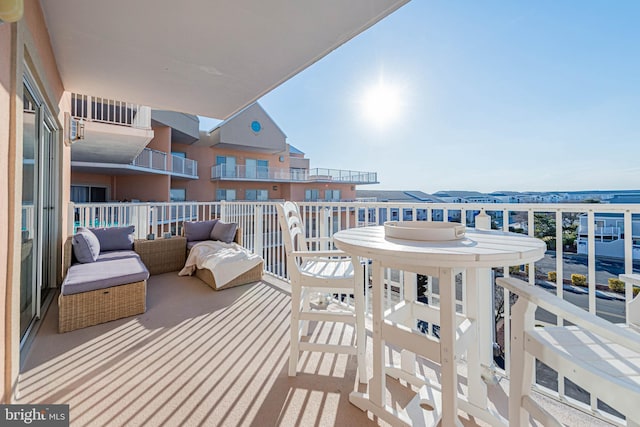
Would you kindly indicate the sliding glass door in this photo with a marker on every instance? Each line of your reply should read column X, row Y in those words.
column 38, row 227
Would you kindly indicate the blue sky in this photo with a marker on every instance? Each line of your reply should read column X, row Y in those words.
column 492, row 95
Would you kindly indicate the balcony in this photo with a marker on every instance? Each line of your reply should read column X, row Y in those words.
column 111, row 111
column 242, row 173
column 115, row 131
column 184, row 167
column 221, row 356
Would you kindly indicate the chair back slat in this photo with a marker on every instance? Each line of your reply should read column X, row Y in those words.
column 293, row 229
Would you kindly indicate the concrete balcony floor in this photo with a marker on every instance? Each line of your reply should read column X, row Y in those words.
column 202, row 358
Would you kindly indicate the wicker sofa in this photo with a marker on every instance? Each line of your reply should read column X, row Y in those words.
column 200, row 231
column 112, row 284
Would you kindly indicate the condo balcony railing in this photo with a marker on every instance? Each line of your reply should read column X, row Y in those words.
column 110, row 111
column 151, row 159
column 554, row 223
column 157, row 160
column 226, row 172
column 183, row 166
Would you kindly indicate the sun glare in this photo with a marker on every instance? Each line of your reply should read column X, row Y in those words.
column 382, row 104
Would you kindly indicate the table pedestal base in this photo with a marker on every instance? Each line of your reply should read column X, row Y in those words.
column 422, row 410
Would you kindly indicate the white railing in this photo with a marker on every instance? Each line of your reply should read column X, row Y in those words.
column 261, row 235
column 111, row 111
column 292, row 175
column 151, row 159
column 184, row 166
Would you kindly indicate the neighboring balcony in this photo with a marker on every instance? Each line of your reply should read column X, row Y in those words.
column 242, row 173
column 158, row 161
column 148, row 161
column 115, row 131
column 111, row 111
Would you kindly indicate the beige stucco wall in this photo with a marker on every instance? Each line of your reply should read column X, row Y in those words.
column 26, row 41
column 5, row 138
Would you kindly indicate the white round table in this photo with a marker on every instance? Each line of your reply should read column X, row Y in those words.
column 475, row 253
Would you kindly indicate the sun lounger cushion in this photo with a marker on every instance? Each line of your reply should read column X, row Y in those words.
column 198, row 230
column 115, row 238
column 86, row 246
column 110, row 269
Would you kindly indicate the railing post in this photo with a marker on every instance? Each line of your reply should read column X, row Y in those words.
column 324, row 229
column 483, row 221
column 258, row 231
column 223, row 210
column 140, row 218
column 71, row 219
column 90, row 108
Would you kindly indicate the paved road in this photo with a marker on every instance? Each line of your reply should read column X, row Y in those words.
column 611, row 309
column 577, row 263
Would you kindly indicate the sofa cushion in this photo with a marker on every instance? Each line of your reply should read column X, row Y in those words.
column 86, row 246
column 223, row 231
column 196, row 231
column 104, row 274
column 111, row 255
column 115, row 238
column 192, row 244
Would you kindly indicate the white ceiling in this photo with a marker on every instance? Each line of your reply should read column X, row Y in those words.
column 205, row 57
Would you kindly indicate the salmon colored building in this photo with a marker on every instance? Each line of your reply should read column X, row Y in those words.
column 246, row 157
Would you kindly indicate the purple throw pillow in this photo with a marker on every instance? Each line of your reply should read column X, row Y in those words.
column 115, row 238
column 224, row 232
column 199, row 230
column 86, row 246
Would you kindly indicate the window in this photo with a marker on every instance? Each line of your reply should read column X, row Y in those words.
column 332, row 195
column 178, row 194
column 311, row 195
column 179, row 154
column 260, row 195
column 88, row 194
column 228, row 195
column 263, row 169
column 227, row 165
column 257, row 168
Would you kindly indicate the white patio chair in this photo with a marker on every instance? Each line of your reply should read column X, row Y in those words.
column 326, row 272
column 599, row 356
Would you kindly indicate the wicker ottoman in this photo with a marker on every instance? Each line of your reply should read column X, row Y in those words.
column 100, row 306
column 162, row 255
column 250, row 276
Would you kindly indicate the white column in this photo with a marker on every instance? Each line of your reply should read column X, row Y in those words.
column 258, row 234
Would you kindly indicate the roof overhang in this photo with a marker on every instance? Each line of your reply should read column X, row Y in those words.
column 106, row 143
column 204, row 57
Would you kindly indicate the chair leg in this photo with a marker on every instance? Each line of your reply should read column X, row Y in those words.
column 306, row 306
column 359, row 302
column 294, row 350
column 522, row 364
